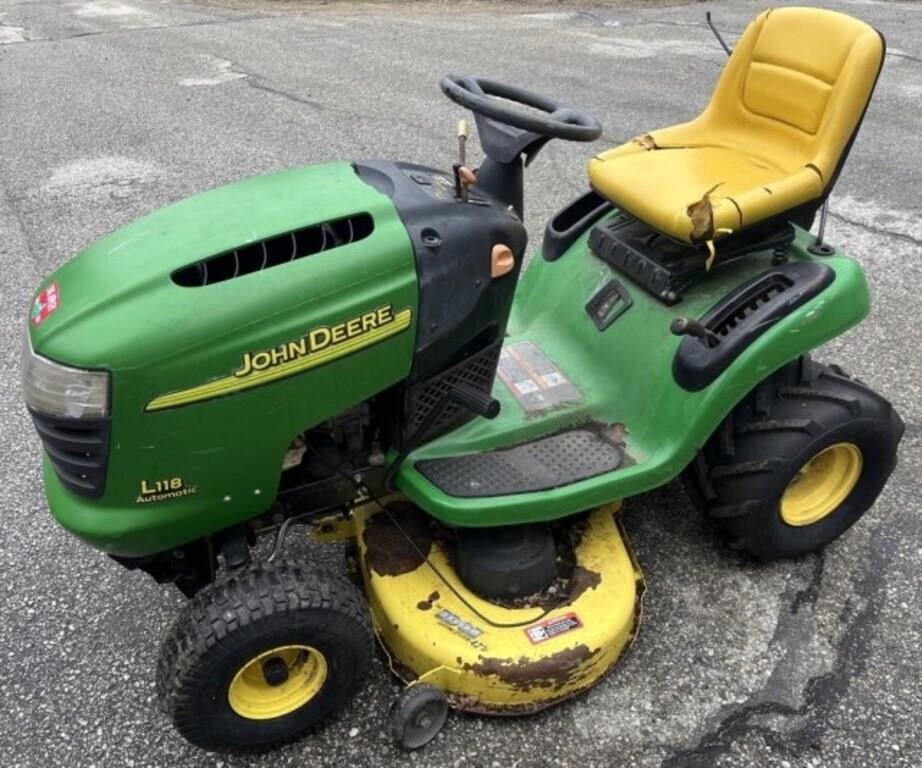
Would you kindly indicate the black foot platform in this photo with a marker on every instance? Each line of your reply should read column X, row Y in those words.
column 546, row 463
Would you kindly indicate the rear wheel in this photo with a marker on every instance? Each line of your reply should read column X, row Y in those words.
column 797, row 462
column 263, row 657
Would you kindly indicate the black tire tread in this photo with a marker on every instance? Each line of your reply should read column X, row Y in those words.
column 745, row 468
column 774, row 425
column 853, row 405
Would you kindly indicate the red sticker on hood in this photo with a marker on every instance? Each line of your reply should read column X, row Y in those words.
column 46, row 303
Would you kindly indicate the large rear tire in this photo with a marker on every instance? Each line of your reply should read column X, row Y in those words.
column 797, row 462
column 263, row 657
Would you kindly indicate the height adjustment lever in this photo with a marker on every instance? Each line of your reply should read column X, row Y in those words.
column 687, row 326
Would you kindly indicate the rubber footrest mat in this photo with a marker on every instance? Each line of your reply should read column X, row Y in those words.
column 549, row 462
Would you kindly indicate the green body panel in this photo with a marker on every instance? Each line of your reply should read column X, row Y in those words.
column 625, row 375
column 120, row 311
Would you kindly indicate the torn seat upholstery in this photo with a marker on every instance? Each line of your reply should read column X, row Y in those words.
column 771, row 140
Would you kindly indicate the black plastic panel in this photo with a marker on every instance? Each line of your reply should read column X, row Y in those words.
column 462, row 309
column 566, row 226
column 665, row 267
column 742, row 316
column 477, row 372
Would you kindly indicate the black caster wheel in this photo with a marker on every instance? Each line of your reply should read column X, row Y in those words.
column 418, row 715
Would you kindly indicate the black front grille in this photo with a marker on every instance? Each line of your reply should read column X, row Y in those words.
column 79, row 451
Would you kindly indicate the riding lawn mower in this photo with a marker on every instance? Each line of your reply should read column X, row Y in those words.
column 351, row 347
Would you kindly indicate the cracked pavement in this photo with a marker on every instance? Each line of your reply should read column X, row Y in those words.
column 111, row 109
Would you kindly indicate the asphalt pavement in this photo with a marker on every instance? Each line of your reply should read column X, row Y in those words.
column 111, row 109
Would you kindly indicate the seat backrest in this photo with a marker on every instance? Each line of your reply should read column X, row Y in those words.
column 795, row 89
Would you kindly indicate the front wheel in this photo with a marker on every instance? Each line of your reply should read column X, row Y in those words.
column 797, row 462
column 263, row 657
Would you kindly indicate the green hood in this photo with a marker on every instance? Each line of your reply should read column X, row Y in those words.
column 119, row 307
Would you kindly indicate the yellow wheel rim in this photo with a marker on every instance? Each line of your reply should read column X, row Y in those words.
column 277, row 682
column 822, row 484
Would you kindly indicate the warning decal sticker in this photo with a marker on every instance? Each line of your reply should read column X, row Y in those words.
column 533, row 379
column 551, row 628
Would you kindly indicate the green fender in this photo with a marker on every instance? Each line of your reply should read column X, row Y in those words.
column 625, row 375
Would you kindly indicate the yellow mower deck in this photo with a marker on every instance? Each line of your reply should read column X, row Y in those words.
column 431, row 636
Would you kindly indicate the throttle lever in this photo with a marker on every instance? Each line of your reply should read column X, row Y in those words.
column 464, row 176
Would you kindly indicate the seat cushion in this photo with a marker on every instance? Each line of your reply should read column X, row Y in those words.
column 694, row 194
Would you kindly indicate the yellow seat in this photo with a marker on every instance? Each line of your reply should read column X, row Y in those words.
column 771, row 140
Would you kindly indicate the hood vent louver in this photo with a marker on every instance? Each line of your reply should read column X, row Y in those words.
column 274, row 251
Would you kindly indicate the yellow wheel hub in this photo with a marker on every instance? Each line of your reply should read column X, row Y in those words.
column 821, row 484
column 277, row 682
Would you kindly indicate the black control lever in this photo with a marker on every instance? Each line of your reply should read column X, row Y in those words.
column 687, row 326
column 475, row 401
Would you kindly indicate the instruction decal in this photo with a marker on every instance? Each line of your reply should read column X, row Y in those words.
column 533, row 379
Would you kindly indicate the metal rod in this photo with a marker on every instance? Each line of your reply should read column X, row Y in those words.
column 462, row 157
column 301, row 519
column 821, row 232
column 717, row 34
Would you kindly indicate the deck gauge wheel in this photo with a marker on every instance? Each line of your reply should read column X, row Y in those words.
column 418, row 715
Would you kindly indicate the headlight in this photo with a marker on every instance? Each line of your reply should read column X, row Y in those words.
column 58, row 390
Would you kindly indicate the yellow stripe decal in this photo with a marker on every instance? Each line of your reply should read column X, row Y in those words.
column 234, row 383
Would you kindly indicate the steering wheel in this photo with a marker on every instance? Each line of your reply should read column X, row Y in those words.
column 484, row 98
